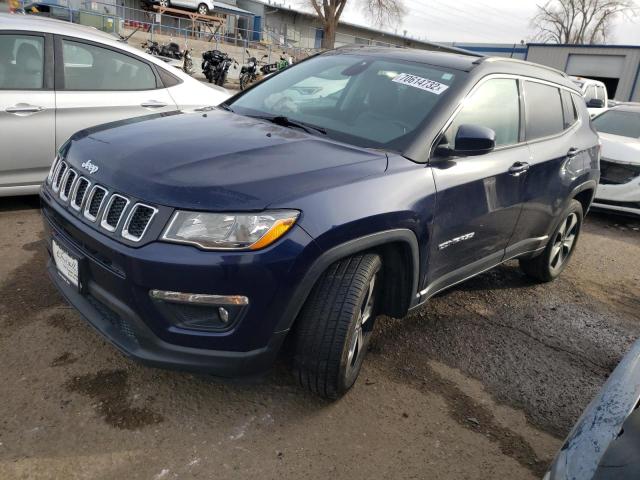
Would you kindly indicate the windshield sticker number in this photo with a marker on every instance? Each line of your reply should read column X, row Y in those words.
column 421, row 83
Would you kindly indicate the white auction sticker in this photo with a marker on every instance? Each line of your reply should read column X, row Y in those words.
column 421, row 83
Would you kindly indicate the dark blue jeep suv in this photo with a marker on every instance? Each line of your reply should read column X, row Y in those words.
column 356, row 183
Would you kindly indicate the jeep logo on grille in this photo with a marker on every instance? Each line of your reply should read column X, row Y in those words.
column 90, row 167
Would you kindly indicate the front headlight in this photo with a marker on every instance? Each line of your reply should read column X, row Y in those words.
column 229, row 231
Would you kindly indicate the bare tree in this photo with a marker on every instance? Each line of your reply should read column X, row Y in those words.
column 579, row 21
column 380, row 12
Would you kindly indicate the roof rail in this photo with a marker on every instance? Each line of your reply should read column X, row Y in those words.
column 515, row 60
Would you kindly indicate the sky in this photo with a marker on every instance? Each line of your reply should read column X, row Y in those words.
column 480, row 21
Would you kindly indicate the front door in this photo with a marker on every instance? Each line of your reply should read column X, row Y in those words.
column 478, row 197
column 27, row 111
column 98, row 84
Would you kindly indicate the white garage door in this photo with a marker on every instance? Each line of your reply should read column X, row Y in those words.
column 609, row 66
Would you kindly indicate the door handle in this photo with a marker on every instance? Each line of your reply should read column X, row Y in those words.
column 518, row 168
column 23, row 108
column 153, row 104
column 572, row 152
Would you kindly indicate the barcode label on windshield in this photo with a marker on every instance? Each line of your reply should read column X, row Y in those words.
column 421, row 83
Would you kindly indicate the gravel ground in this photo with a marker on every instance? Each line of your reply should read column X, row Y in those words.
column 482, row 382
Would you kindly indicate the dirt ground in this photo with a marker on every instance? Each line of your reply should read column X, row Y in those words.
column 483, row 382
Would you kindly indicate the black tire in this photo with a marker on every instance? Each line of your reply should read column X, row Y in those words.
column 221, row 80
column 203, row 9
column 329, row 346
column 244, row 81
column 549, row 264
column 164, row 3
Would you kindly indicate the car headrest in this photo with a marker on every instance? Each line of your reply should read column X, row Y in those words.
column 28, row 58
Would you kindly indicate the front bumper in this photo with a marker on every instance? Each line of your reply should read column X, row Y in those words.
column 117, row 279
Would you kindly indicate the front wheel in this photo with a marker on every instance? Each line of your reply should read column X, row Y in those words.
column 332, row 333
column 548, row 265
column 245, row 81
column 203, row 9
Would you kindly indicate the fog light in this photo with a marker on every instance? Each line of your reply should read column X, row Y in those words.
column 197, row 311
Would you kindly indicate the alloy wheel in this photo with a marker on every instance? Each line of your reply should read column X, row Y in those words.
column 563, row 242
column 203, row 10
column 357, row 347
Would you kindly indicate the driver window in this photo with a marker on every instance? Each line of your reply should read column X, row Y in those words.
column 495, row 105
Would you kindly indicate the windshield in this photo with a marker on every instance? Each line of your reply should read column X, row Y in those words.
column 619, row 122
column 365, row 101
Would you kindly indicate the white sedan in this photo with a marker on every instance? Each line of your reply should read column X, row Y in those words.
column 619, row 189
column 57, row 78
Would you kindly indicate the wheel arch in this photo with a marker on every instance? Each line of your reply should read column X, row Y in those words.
column 398, row 245
column 585, row 194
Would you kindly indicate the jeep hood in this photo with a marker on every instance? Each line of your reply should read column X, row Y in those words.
column 215, row 160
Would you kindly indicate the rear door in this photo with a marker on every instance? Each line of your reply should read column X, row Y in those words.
column 559, row 157
column 479, row 197
column 98, row 84
column 27, row 110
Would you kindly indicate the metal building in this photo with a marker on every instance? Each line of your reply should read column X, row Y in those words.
column 618, row 66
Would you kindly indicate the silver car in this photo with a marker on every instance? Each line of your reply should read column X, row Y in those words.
column 57, row 78
column 203, row 7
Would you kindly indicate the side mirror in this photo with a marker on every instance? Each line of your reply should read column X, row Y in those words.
column 595, row 103
column 474, row 140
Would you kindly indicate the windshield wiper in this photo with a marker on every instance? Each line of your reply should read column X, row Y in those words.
column 287, row 122
column 226, row 107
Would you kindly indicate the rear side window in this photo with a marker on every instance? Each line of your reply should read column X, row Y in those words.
column 544, row 110
column 496, row 105
column 580, row 106
column 87, row 67
column 21, row 62
column 168, row 80
column 569, row 109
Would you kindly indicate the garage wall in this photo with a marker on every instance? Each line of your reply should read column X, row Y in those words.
column 600, row 61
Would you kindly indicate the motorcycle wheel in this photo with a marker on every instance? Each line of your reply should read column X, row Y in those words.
column 244, row 81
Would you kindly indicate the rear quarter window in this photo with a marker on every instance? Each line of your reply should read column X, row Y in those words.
column 544, row 111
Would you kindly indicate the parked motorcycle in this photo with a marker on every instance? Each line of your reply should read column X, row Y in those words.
column 249, row 72
column 281, row 64
column 171, row 50
column 215, row 66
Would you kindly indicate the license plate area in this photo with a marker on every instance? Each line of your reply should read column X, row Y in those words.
column 68, row 264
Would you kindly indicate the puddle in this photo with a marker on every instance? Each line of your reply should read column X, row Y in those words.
column 110, row 390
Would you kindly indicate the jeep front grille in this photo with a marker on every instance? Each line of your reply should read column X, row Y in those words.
column 113, row 212
column 96, row 197
column 117, row 213
column 52, row 170
column 67, row 183
column 79, row 192
column 58, row 175
column 138, row 221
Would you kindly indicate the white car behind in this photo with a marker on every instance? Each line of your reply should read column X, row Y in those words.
column 594, row 93
column 57, row 78
column 619, row 189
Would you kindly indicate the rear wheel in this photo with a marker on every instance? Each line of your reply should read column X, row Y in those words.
column 164, row 3
column 547, row 266
column 333, row 330
column 203, row 9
